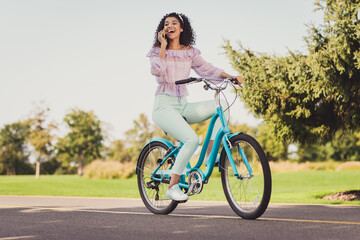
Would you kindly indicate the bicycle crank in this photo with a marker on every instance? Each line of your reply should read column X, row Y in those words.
column 195, row 182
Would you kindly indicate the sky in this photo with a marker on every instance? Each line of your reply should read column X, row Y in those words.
column 91, row 54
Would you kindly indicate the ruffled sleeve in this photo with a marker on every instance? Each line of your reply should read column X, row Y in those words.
column 158, row 65
column 205, row 69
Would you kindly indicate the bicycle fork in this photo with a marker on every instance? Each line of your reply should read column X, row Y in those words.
column 232, row 161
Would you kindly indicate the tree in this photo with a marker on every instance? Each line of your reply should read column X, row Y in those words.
column 40, row 137
column 308, row 98
column 343, row 147
column 118, row 152
column 13, row 153
column 83, row 142
column 143, row 130
column 274, row 149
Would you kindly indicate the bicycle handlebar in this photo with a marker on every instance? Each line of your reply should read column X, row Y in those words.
column 188, row 80
column 209, row 84
column 193, row 79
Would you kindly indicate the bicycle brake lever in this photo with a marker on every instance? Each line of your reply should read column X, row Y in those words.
column 207, row 86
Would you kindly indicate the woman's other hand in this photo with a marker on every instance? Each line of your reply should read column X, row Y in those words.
column 239, row 79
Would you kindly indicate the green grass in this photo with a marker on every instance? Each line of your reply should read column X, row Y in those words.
column 298, row 187
column 67, row 185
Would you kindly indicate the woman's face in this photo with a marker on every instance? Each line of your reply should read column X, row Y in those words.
column 172, row 28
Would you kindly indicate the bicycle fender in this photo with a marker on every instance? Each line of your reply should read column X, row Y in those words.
column 166, row 142
column 234, row 134
column 223, row 149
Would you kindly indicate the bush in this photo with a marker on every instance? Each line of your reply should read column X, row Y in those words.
column 348, row 166
column 109, row 169
column 50, row 166
column 63, row 170
column 288, row 166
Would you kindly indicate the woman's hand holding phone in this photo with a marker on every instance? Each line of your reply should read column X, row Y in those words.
column 162, row 36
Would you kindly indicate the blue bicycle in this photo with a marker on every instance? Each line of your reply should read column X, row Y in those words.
column 244, row 168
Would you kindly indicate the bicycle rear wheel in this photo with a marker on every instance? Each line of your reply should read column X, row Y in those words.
column 248, row 195
column 152, row 192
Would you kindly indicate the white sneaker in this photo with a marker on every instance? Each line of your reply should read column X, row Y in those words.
column 175, row 193
column 216, row 161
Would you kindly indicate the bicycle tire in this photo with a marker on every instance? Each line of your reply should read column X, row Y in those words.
column 249, row 196
column 154, row 199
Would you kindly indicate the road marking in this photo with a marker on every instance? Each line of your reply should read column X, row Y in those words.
column 308, row 221
column 19, row 237
column 179, row 215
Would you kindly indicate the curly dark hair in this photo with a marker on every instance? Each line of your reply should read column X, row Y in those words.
column 187, row 37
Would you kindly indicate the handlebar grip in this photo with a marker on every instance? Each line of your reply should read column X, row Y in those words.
column 234, row 81
column 184, row 81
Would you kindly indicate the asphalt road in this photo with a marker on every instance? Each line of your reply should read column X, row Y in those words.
column 111, row 218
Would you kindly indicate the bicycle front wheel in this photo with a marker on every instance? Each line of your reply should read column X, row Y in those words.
column 247, row 194
column 153, row 192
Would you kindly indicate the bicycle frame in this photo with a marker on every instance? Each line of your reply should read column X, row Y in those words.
column 222, row 135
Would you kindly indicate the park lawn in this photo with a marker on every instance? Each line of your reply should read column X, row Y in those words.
column 295, row 187
column 67, row 185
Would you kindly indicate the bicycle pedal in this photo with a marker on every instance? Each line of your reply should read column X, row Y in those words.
column 184, row 201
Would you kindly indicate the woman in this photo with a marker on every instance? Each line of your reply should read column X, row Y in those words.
column 172, row 57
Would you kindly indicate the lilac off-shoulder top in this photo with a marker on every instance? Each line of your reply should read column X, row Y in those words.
column 176, row 66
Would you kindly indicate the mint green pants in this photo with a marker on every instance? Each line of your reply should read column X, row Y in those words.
column 169, row 113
